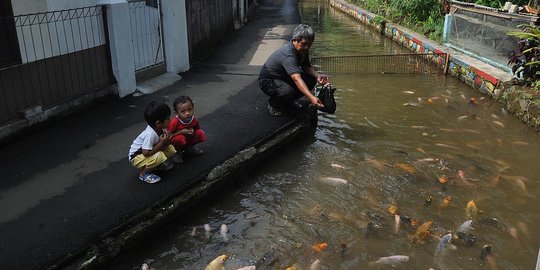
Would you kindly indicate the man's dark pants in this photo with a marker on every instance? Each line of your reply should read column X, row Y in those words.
column 283, row 93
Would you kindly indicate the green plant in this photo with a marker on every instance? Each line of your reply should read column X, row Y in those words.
column 525, row 60
column 424, row 16
column 379, row 20
column 417, row 10
column 497, row 3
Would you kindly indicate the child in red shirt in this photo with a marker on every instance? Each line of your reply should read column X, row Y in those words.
column 185, row 129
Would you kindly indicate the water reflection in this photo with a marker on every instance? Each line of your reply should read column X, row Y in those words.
column 422, row 147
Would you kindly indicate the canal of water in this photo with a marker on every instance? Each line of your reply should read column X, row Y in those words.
column 418, row 146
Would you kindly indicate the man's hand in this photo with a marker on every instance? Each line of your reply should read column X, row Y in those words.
column 316, row 101
column 322, row 79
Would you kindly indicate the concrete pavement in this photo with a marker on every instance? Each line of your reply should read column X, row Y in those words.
column 69, row 195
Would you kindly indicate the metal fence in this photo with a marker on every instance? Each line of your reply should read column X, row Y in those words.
column 146, row 34
column 377, row 64
column 61, row 55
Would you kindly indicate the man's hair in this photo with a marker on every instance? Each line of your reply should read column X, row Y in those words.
column 181, row 100
column 156, row 111
column 303, row 31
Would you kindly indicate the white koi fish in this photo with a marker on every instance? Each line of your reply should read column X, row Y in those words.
column 224, row 232
column 498, row 123
column 466, row 227
column 393, row 261
column 371, row 123
column 337, row 166
column 397, row 222
column 250, row 267
column 335, row 181
column 447, row 146
column 444, row 245
column 316, row 265
column 207, row 230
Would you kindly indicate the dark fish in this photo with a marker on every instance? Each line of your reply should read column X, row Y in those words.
column 371, row 228
column 428, row 201
column 267, row 260
column 405, row 219
column 487, row 258
column 401, row 152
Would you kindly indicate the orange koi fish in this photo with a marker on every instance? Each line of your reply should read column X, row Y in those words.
column 406, row 167
column 392, row 209
column 471, row 210
column 443, row 179
column 319, row 247
column 295, row 266
column 446, row 201
column 422, row 232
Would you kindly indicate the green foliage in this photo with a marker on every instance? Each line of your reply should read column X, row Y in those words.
column 424, row 16
column 379, row 20
column 497, row 3
column 417, row 10
column 525, row 60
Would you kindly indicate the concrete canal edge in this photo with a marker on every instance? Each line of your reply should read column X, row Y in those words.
column 494, row 82
column 230, row 174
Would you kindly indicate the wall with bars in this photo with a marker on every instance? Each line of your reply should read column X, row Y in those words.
column 63, row 55
column 51, row 34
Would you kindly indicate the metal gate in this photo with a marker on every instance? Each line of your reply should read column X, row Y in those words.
column 147, row 36
column 381, row 64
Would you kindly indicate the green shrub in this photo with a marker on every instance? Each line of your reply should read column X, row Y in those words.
column 424, row 16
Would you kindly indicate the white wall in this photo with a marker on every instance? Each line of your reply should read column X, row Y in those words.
column 47, row 35
column 37, row 6
column 28, row 6
column 69, row 4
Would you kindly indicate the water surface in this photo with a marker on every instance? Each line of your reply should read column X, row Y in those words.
column 394, row 139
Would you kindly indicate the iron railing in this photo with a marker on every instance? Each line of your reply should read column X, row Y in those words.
column 378, row 64
column 61, row 55
column 146, row 34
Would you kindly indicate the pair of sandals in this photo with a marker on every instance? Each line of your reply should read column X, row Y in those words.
column 151, row 178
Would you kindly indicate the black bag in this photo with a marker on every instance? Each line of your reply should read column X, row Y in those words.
column 326, row 95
